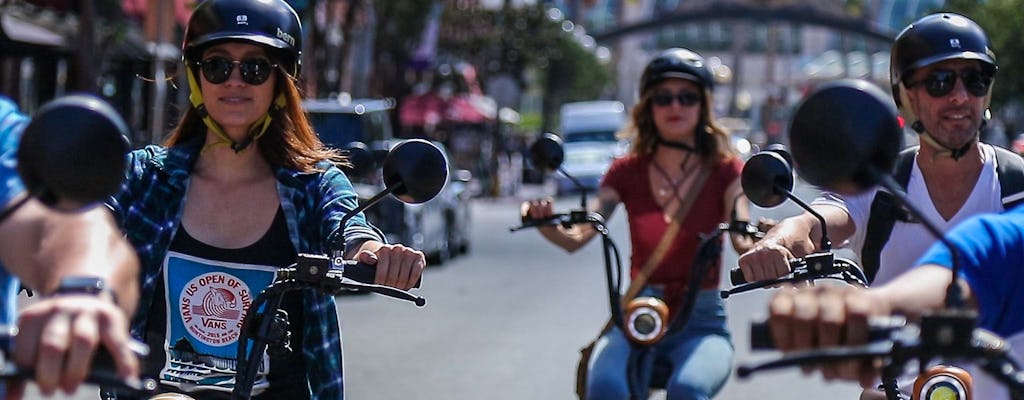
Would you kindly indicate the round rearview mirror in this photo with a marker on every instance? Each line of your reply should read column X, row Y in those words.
column 844, row 135
column 767, row 178
column 415, row 170
column 360, row 159
column 547, row 153
column 72, row 153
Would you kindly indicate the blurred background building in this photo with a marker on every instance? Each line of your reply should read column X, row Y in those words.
column 484, row 76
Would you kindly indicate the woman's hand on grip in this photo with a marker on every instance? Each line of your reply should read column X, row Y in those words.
column 398, row 266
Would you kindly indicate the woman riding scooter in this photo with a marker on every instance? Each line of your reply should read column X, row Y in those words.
column 679, row 181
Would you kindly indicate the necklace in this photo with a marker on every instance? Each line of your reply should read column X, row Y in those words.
column 674, row 184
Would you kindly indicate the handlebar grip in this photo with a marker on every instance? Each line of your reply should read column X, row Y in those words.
column 879, row 328
column 761, row 336
column 366, row 273
column 736, row 276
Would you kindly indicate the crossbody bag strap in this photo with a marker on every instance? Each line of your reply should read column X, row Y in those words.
column 666, row 238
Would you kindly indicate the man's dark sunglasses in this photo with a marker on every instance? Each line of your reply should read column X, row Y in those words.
column 941, row 82
column 685, row 99
column 254, row 71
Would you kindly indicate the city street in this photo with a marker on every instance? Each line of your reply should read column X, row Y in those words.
column 507, row 320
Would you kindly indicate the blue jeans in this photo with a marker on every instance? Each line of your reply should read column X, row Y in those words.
column 700, row 356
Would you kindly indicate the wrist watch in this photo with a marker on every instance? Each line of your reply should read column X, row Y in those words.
column 78, row 284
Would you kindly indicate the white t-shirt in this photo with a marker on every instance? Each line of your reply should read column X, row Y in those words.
column 909, row 241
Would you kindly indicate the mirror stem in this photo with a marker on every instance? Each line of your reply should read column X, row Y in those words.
column 954, row 296
column 583, row 190
column 826, row 243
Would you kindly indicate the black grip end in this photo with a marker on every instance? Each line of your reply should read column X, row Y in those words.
column 761, row 336
column 736, row 276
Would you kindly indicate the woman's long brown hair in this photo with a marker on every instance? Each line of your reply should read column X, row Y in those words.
column 289, row 142
column 643, row 134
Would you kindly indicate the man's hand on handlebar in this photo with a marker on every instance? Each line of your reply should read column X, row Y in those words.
column 825, row 316
column 398, row 266
column 58, row 337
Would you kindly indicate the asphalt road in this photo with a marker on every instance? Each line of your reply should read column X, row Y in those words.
column 507, row 321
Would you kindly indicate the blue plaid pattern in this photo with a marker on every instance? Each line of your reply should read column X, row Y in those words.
column 12, row 123
column 149, row 209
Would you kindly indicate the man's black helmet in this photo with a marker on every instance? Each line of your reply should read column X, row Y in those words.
column 271, row 23
column 935, row 38
column 677, row 63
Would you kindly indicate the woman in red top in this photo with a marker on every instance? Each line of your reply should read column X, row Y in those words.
column 675, row 139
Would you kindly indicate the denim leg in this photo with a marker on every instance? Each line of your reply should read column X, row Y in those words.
column 606, row 379
column 702, row 354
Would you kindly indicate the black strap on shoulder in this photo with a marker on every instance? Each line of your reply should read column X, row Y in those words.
column 1010, row 169
column 885, row 211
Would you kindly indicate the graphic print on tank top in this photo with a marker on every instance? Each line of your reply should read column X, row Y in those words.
column 207, row 300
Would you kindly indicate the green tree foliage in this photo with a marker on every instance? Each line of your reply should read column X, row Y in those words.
column 399, row 28
column 1001, row 20
column 513, row 41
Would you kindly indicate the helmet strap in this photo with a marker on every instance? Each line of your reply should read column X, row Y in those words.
column 955, row 153
column 255, row 131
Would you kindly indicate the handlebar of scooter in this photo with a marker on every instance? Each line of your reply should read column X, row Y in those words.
column 102, row 372
column 566, row 220
column 334, row 276
column 809, row 268
column 948, row 333
column 878, row 329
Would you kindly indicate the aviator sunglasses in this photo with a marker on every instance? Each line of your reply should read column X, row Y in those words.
column 940, row 82
column 685, row 99
column 254, row 71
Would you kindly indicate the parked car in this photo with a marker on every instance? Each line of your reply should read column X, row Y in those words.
column 439, row 227
column 342, row 120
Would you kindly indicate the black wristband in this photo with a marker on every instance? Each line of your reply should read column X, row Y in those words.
column 84, row 285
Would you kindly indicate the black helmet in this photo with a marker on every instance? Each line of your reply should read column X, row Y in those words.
column 271, row 23
column 677, row 63
column 935, row 38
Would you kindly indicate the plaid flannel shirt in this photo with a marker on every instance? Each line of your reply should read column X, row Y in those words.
column 149, row 209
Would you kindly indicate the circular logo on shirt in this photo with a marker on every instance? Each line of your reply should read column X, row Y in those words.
column 212, row 306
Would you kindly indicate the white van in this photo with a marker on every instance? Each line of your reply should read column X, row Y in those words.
column 591, row 121
column 588, row 129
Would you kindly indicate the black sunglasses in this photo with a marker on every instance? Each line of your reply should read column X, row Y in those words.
column 254, row 71
column 941, row 82
column 685, row 99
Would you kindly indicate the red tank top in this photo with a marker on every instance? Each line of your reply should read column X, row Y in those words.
column 629, row 177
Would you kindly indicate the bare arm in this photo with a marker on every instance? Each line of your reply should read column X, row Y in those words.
column 59, row 335
column 573, row 238
column 737, row 205
column 41, row 246
column 794, row 237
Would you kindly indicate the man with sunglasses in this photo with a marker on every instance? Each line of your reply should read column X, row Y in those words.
column 941, row 73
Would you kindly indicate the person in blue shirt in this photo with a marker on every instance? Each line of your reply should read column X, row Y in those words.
column 39, row 248
column 991, row 248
